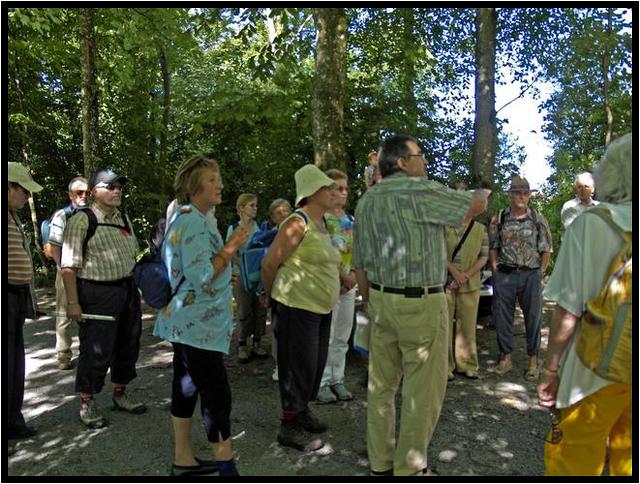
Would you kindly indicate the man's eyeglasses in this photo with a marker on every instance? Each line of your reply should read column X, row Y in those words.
column 109, row 186
column 81, row 193
column 419, row 155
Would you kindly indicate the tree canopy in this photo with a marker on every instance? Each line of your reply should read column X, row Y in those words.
column 244, row 86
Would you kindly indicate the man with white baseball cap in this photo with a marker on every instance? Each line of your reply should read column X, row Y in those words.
column 20, row 302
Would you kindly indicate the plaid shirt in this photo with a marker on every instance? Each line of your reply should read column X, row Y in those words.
column 111, row 252
column 398, row 233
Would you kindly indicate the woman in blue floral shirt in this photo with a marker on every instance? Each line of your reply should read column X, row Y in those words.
column 198, row 320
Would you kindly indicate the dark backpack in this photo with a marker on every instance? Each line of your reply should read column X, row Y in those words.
column 151, row 275
column 93, row 226
column 251, row 258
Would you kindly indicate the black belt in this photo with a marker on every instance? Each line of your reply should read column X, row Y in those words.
column 19, row 289
column 117, row 282
column 408, row 291
column 507, row 269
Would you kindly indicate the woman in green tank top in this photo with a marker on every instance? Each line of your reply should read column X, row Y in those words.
column 300, row 274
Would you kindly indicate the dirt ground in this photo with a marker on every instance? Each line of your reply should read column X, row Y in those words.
column 488, row 427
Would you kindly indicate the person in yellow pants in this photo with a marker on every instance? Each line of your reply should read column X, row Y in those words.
column 591, row 410
column 463, row 293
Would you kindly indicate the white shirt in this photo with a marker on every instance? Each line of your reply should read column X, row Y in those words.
column 572, row 208
column 587, row 250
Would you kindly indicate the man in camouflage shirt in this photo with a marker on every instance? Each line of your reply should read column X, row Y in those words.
column 519, row 248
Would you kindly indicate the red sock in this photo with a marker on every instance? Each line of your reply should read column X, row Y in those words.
column 288, row 416
column 118, row 391
column 84, row 400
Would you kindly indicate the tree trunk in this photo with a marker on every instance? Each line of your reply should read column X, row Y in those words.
column 89, row 91
column 606, row 59
column 485, row 128
column 409, row 72
column 26, row 157
column 329, row 88
column 164, row 144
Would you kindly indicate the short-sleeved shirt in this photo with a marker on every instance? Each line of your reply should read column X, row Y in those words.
column 341, row 232
column 588, row 247
column 398, row 231
column 572, row 208
column 199, row 314
column 56, row 230
column 475, row 246
column 20, row 265
column 111, row 252
column 521, row 241
column 309, row 278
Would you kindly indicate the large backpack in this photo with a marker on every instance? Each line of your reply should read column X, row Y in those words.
column 45, row 230
column 604, row 342
column 251, row 257
column 151, row 275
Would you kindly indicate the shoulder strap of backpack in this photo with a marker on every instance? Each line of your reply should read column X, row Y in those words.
column 303, row 216
column 91, row 229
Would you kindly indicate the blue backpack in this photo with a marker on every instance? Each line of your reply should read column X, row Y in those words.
column 45, row 229
column 251, row 258
column 152, row 276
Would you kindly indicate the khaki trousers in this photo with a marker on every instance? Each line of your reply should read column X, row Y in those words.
column 463, row 314
column 63, row 324
column 409, row 339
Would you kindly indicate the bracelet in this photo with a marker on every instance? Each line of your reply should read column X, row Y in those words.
column 551, row 372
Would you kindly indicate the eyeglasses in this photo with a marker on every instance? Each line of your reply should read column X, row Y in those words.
column 109, row 186
column 556, row 432
column 80, row 193
column 419, row 155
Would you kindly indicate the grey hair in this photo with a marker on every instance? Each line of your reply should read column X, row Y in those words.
column 276, row 203
column 78, row 179
column 584, row 176
column 613, row 173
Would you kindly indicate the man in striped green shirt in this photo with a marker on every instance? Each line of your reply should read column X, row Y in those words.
column 400, row 261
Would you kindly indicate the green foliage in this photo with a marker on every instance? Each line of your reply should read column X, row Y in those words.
column 240, row 91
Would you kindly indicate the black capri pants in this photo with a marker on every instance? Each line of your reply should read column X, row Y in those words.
column 201, row 372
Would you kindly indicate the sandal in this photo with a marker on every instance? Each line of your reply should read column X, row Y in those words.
column 532, row 374
column 503, row 367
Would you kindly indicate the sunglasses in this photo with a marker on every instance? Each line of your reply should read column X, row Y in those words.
column 109, row 186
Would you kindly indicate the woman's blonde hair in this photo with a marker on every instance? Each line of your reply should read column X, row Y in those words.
column 245, row 198
column 189, row 176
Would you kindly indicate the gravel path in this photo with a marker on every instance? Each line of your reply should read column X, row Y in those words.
column 488, row 427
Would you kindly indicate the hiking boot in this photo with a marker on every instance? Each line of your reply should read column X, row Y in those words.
column 310, row 422
column 259, row 353
column 90, row 416
column 65, row 364
column 126, row 404
column 341, row 392
column 64, row 360
column 21, row 432
column 325, row 395
column 243, row 354
column 292, row 435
